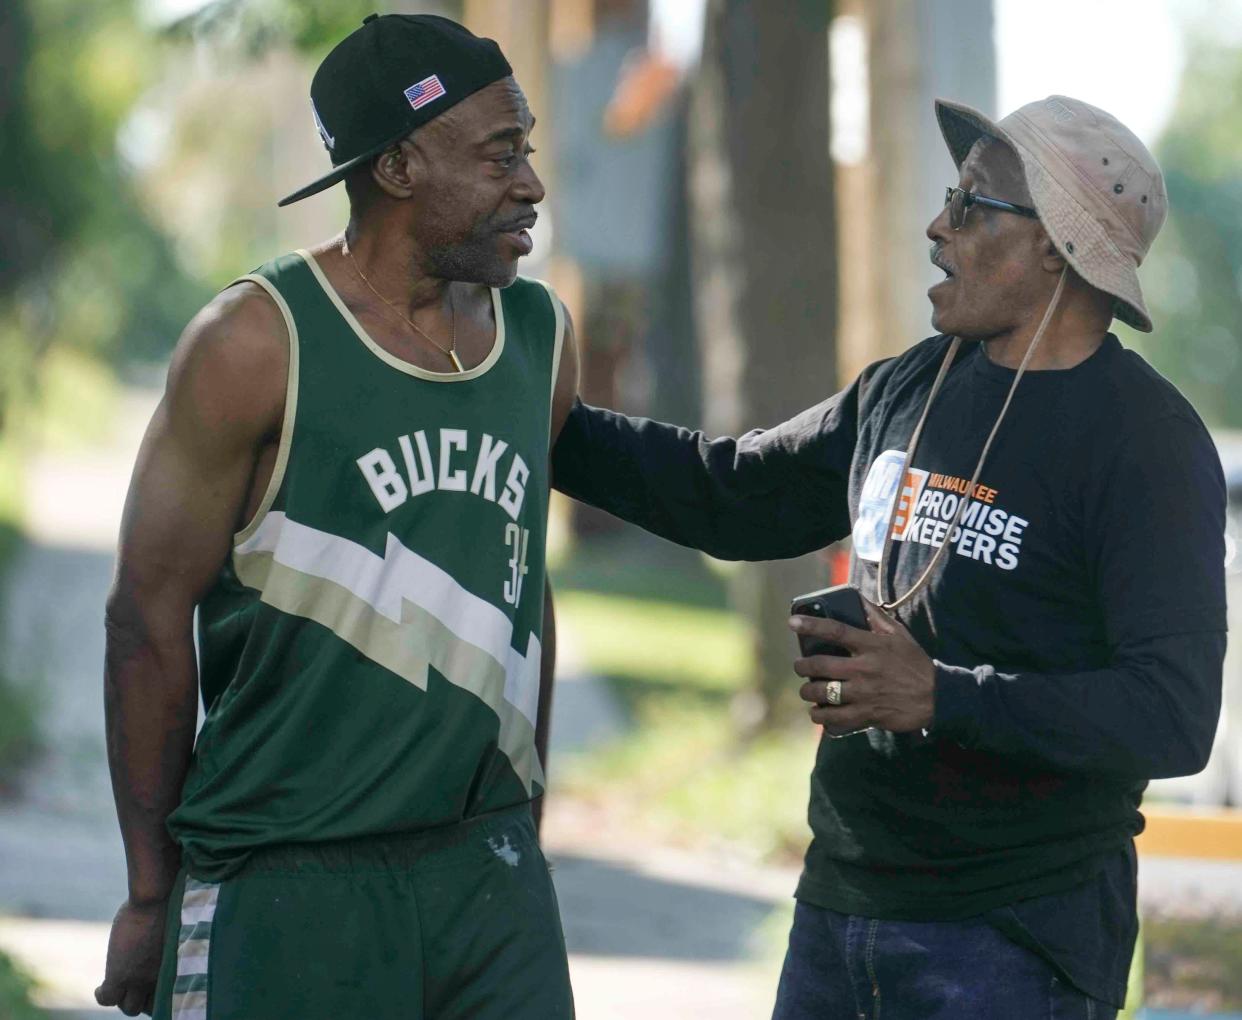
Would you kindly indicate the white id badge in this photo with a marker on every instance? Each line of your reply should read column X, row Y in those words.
column 876, row 503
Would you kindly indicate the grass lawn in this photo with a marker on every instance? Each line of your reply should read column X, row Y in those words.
column 653, row 621
column 1193, row 963
column 15, row 989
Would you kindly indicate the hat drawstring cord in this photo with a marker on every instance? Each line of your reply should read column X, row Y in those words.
column 968, row 495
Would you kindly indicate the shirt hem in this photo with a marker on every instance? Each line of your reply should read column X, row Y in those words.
column 954, row 904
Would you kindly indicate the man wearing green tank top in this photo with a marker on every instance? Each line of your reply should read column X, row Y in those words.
column 347, row 479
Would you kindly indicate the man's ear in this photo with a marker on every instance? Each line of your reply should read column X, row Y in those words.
column 1051, row 260
column 394, row 171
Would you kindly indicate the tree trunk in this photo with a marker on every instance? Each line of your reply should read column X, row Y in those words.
column 764, row 261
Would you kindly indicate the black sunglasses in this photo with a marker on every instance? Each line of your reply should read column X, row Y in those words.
column 959, row 203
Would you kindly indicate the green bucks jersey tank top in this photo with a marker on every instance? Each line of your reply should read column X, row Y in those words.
column 369, row 654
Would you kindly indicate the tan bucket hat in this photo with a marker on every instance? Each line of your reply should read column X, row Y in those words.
column 1098, row 190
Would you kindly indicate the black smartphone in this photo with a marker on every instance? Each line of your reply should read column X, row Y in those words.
column 841, row 603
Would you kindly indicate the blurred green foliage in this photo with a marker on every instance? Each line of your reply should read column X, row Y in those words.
column 15, row 991
column 1194, row 276
column 704, row 651
column 310, row 26
column 83, row 263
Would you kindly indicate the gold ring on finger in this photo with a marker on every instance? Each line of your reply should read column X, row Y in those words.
column 832, row 692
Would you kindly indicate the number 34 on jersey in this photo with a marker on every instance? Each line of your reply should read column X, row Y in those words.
column 466, row 463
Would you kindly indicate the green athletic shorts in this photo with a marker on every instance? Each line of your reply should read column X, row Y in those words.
column 446, row 925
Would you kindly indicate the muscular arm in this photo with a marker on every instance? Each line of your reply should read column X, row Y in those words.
column 223, row 402
column 767, row 495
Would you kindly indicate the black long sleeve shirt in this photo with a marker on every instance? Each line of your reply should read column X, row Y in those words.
column 1077, row 625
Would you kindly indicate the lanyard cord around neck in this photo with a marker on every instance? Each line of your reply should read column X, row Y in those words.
column 968, row 495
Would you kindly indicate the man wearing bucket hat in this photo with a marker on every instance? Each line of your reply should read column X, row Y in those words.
column 1038, row 517
column 348, row 479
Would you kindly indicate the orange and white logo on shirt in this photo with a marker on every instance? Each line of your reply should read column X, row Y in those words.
column 927, row 503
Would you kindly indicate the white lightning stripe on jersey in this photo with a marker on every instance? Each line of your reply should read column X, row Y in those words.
column 400, row 576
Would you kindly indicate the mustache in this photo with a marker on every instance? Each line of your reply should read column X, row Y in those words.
column 523, row 222
column 939, row 261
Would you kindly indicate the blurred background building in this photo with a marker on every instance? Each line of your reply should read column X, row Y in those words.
column 737, row 194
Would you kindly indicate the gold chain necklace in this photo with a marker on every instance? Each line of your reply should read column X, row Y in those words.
column 450, row 351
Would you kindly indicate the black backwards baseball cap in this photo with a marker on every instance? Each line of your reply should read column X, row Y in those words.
column 395, row 73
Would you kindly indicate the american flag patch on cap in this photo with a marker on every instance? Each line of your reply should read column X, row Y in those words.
column 424, row 91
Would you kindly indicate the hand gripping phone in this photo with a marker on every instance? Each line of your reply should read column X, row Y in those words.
column 842, row 603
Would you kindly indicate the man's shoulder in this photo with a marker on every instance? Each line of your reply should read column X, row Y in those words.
column 242, row 326
column 929, row 350
column 233, row 354
column 1135, row 416
column 917, row 360
column 1130, row 387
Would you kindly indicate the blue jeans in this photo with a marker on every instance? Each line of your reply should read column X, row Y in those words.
column 844, row 967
